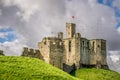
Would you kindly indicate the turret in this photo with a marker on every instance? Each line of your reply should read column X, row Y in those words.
column 77, row 35
column 60, row 35
column 25, row 51
column 70, row 30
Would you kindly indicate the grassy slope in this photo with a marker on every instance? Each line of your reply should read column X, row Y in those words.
column 96, row 74
column 24, row 68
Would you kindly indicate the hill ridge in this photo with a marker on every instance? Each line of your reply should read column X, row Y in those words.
column 26, row 68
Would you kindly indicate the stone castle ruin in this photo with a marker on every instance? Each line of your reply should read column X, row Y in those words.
column 72, row 52
column 32, row 53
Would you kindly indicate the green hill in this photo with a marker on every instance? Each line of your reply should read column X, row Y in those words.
column 24, row 68
column 96, row 74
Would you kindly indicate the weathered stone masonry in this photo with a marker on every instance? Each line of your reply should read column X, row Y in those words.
column 72, row 52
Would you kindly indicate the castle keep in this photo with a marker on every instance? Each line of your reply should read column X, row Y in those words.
column 71, row 52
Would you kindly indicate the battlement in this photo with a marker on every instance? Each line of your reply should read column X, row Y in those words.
column 32, row 53
column 99, row 39
column 77, row 35
column 49, row 41
column 60, row 35
column 25, row 49
column 50, row 38
column 72, row 52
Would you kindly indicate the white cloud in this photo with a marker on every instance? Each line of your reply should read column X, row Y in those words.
column 118, row 30
column 12, row 48
column 27, row 8
column 114, row 60
column 3, row 35
column 116, row 3
column 41, row 17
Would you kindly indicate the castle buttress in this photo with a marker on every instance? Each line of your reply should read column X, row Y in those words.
column 72, row 52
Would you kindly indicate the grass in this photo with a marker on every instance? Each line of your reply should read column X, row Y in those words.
column 96, row 74
column 25, row 68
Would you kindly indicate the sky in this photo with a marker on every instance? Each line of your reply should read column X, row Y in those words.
column 23, row 23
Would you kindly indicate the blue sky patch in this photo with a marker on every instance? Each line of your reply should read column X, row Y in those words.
column 117, row 15
column 117, row 12
column 107, row 2
column 6, row 30
column 100, row 1
column 9, row 35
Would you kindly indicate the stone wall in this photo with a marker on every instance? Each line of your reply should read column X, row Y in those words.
column 51, row 49
column 98, row 53
column 72, row 52
column 32, row 53
column 44, row 48
column 77, row 46
column 56, row 53
column 84, row 51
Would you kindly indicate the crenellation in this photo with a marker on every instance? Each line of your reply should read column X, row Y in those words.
column 32, row 53
column 25, row 51
column 77, row 35
column 72, row 52
column 60, row 35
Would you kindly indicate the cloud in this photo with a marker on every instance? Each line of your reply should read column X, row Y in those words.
column 0, row 12
column 42, row 20
column 116, row 3
column 10, row 42
column 115, row 55
column 12, row 48
column 114, row 60
column 118, row 30
column 6, row 34
column 34, row 19
column 3, row 35
column 29, row 8
column 26, row 7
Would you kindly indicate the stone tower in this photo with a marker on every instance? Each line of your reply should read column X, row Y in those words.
column 60, row 35
column 70, row 30
column 72, row 46
column 52, row 50
column 71, row 52
column 98, row 53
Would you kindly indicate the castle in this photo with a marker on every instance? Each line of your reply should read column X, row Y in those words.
column 72, row 52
